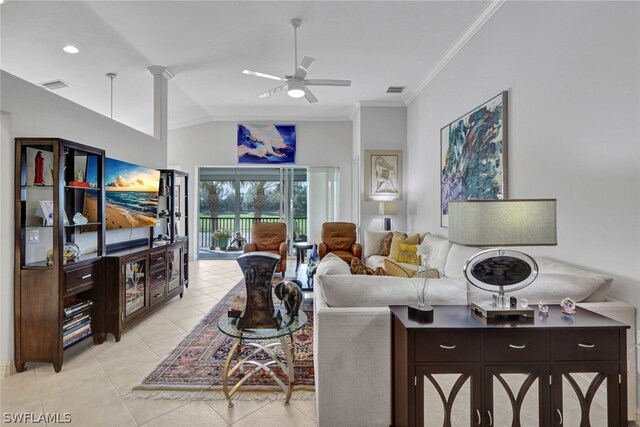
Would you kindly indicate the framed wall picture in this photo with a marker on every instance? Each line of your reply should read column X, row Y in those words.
column 473, row 155
column 266, row 144
column 383, row 174
column 47, row 212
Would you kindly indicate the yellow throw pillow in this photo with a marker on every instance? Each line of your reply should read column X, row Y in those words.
column 398, row 238
column 394, row 269
column 408, row 254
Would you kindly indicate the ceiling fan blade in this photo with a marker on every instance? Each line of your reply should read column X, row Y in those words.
column 272, row 91
column 303, row 68
column 310, row 96
column 266, row 76
column 325, row 82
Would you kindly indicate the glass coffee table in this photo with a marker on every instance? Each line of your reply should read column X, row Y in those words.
column 255, row 339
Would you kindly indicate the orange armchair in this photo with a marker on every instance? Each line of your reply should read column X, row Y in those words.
column 270, row 237
column 340, row 238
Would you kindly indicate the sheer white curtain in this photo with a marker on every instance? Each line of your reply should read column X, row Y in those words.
column 323, row 199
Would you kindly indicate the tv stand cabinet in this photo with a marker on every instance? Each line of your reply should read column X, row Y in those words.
column 139, row 280
column 463, row 369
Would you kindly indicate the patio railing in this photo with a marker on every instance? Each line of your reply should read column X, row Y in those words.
column 209, row 224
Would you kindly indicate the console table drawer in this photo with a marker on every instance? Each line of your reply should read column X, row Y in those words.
column 156, row 295
column 157, row 259
column 445, row 346
column 158, row 277
column 79, row 279
column 516, row 345
column 586, row 344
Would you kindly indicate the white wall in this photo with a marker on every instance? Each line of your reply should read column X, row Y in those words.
column 33, row 111
column 382, row 128
column 572, row 70
column 214, row 144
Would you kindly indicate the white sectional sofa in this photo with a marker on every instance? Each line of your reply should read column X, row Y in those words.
column 352, row 324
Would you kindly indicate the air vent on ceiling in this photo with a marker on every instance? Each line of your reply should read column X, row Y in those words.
column 55, row 84
column 395, row 89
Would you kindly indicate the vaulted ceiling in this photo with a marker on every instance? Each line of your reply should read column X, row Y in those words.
column 207, row 44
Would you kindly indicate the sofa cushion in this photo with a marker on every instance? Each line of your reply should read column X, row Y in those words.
column 398, row 270
column 385, row 245
column 332, row 264
column 555, row 281
column 457, row 258
column 372, row 241
column 438, row 249
column 398, row 238
column 376, row 291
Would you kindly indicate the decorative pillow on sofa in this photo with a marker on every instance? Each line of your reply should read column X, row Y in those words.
column 394, row 269
column 407, row 254
column 398, row 238
column 357, row 267
column 385, row 246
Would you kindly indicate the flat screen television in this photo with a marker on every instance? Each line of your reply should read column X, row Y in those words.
column 131, row 195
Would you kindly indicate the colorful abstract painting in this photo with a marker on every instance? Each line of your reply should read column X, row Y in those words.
column 473, row 155
column 266, row 144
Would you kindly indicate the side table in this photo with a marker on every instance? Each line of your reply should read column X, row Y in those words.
column 301, row 249
column 255, row 338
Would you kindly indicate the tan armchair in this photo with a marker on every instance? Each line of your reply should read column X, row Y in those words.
column 340, row 238
column 270, row 237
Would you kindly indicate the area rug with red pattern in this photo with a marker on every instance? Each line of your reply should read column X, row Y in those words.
column 193, row 370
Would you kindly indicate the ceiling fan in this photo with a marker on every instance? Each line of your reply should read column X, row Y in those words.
column 296, row 84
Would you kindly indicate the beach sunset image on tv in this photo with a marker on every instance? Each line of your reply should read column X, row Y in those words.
column 131, row 195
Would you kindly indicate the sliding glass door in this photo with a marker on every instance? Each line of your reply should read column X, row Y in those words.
column 233, row 199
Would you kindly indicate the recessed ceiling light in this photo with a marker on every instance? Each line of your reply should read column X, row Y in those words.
column 71, row 49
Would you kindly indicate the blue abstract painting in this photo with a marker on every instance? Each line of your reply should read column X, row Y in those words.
column 266, row 144
column 473, row 155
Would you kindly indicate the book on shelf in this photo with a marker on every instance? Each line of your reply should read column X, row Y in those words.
column 76, row 338
column 68, row 324
column 74, row 328
column 77, row 332
column 76, row 307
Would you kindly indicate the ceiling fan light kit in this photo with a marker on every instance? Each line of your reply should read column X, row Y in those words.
column 295, row 89
column 296, row 84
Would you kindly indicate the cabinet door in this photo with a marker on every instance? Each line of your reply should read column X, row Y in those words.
column 174, row 267
column 586, row 395
column 448, row 396
column 135, row 285
column 516, row 396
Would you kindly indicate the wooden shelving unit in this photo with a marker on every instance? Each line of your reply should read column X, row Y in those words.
column 49, row 275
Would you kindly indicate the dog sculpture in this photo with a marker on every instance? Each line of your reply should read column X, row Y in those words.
column 291, row 295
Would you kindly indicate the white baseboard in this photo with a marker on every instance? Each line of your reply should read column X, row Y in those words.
column 7, row 368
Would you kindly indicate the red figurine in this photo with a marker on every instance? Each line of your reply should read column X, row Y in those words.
column 38, row 178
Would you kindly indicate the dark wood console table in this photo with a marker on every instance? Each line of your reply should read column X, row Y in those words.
column 465, row 370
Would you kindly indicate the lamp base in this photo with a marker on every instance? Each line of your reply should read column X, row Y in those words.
column 491, row 311
column 387, row 224
column 424, row 314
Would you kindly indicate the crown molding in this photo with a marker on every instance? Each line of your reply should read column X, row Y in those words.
column 453, row 50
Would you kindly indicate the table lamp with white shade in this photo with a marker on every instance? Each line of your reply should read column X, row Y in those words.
column 500, row 223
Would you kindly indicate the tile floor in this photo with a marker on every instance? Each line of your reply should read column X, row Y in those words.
column 94, row 379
